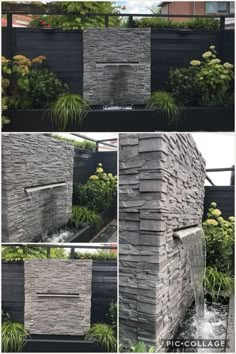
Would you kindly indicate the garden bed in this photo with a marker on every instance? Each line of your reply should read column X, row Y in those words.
column 87, row 233
column 137, row 119
column 62, row 344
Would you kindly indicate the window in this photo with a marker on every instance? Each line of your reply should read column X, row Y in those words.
column 219, row 7
column 231, row 7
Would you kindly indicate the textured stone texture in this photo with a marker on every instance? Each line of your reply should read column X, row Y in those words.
column 161, row 190
column 30, row 160
column 117, row 64
column 68, row 314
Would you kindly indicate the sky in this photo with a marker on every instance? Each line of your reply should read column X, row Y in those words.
column 218, row 149
column 133, row 6
column 138, row 6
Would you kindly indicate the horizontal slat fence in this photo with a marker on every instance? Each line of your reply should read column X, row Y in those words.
column 173, row 49
column 85, row 163
column 64, row 50
column 104, row 289
column 223, row 196
column 13, row 293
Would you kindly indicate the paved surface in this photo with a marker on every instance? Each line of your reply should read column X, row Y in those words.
column 230, row 327
column 107, row 234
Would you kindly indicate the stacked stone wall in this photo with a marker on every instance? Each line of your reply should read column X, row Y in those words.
column 161, row 190
column 35, row 160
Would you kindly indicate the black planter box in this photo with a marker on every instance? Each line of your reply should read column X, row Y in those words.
column 135, row 120
column 89, row 231
column 60, row 344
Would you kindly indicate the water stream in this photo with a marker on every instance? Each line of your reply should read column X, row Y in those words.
column 48, row 222
column 194, row 245
column 202, row 321
column 62, row 235
column 31, row 196
column 117, row 108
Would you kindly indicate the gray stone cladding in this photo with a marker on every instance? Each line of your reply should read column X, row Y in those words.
column 161, row 190
column 117, row 66
column 31, row 160
column 58, row 296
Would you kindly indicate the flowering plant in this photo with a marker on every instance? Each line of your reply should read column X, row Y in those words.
column 15, row 78
column 99, row 192
column 27, row 83
column 219, row 235
column 207, row 82
column 214, row 79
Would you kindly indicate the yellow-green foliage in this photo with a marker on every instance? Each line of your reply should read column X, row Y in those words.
column 206, row 82
column 99, row 192
column 219, row 236
column 14, row 337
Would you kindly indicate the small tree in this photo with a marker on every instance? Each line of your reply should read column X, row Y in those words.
column 73, row 22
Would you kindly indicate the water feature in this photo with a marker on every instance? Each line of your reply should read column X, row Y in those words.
column 194, row 245
column 117, row 108
column 62, row 235
column 202, row 320
column 213, row 326
column 43, row 202
column 32, row 202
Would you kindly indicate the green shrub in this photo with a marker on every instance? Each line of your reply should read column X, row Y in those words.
column 6, row 317
column 141, row 347
column 4, row 119
column 82, row 216
column 219, row 236
column 203, row 24
column 161, row 23
column 27, row 84
column 14, row 337
column 100, row 255
column 45, row 87
column 183, row 85
column 205, row 83
column 70, row 21
column 22, row 253
column 112, row 315
column 98, row 193
column 104, row 335
column 158, row 23
column 218, row 284
column 83, row 145
column 69, row 109
column 15, row 80
column 165, row 101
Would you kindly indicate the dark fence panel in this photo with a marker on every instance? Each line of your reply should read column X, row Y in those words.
column 227, row 44
column 13, row 296
column 85, row 163
column 108, row 160
column 104, row 289
column 63, row 50
column 223, row 196
column 173, row 48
